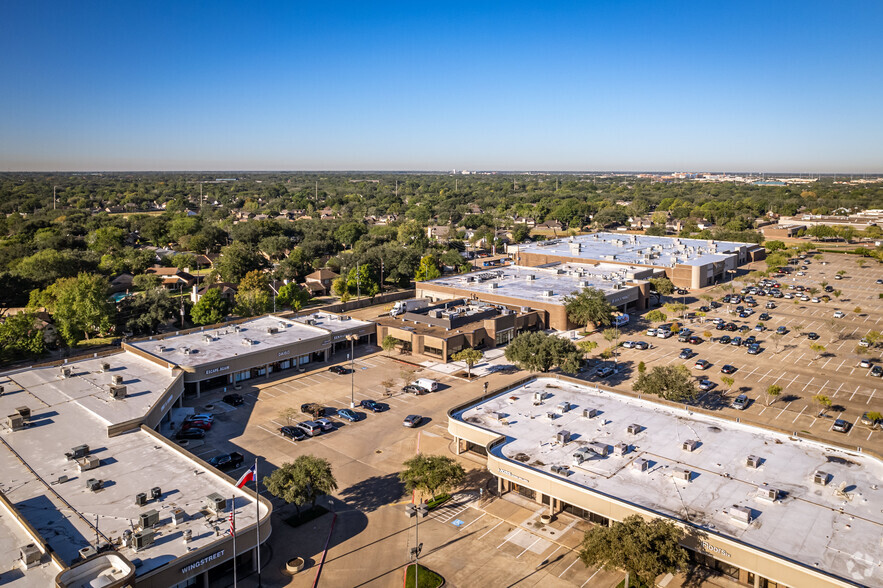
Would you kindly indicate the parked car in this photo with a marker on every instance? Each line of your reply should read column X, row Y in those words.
column 412, row 389
column 348, row 414
column 311, row 428
column 812, row 336
column 839, row 314
column 840, row 425
column 728, row 369
column 865, row 363
column 663, row 333
column 753, row 349
column 227, row 461
column 704, row 309
column 204, row 425
column 313, row 409
column 740, row 402
column 208, row 418
column 867, row 421
column 371, row 405
column 190, row 434
column 412, row 420
column 233, row 399
column 686, row 354
column 642, row 345
column 737, row 341
column 770, row 304
column 628, row 344
column 326, row 424
column 702, row 364
column 759, row 327
column 864, row 343
column 877, row 371
column 293, row 433
column 604, row 371
column 338, row 369
column 706, row 385
column 651, row 332
column 749, row 341
column 694, row 340
column 829, row 288
column 724, row 340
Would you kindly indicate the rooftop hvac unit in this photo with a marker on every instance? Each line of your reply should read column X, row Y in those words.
column 2, row 390
column 690, row 445
column 563, row 407
column 752, row 461
column 580, row 455
column 548, row 293
column 62, row 479
column 493, row 285
column 178, row 516
column 143, row 539
column 820, row 478
column 583, row 284
column 140, row 499
column 634, row 429
column 25, row 412
column 90, row 462
column 185, row 350
column 77, row 452
column 188, row 535
column 272, row 330
column 538, row 397
column 740, row 514
column 116, row 380
column 148, row 518
column 65, row 371
column 105, row 367
column 599, row 448
column 768, row 493
column 590, row 413
column 558, row 470
column 550, row 416
column 29, row 554
column 530, row 277
column 525, row 309
column 236, row 328
column 683, row 475
column 562, row 438
column 156, row 493
column 310, row 321
column 621, row 448
column 15, row 422
column 206, row 338
column 93, row 484
column 160, row 348
column 87, row 552
column 470, row 279
column 246, row 341
column 117, row 392
column 215, row 503
column 641, row 464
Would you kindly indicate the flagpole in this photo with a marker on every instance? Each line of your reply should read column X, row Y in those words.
column 257, row 505
column 233, row 530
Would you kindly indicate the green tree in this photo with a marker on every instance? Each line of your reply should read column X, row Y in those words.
column 675, row 308
column 587, row 346
column 773, row 246
column 389, row 343
column 349, row 233
column 79, row 306
column 432, row 474
column 470, row 357
column 661, row 287
column 106, row 239
column 875, row 418
column 302, row 481
column 237, row 260
column 773, row 392
column 541, row 352
column 362, row 280
column 428, row 269
column 211, row 308
column 520, row 233
column 251, row 302
column 728, row 382
column 292, row 296
column 656, row 316
column 822, row 402
column 146, row 281
column 143, row 313
column 20, row 337
column 818, row 348
column 640, row 548
column 589, row 307
column 672, row 382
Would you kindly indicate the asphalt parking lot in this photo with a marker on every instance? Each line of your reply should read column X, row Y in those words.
column 788, row 362
column 472, row 536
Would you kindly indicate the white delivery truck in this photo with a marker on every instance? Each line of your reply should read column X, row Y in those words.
column 426, row 384
column 403, row 306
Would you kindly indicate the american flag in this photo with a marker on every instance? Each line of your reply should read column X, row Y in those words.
column 232, row 519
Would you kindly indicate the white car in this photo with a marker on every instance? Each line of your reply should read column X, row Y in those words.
column 651, row 332
column 839, row 314
column 664, row 334
column 628, row 344
column 815, row 299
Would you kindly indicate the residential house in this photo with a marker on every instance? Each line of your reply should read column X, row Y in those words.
column 319, row 282
column 122, row 282
column 438, row 233
column 551, row 225
column 525, row 220
column 172, row 277
column 228, row 291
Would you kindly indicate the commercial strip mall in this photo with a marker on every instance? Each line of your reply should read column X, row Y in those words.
column 92, row 495
column 688, row 263
column 761, row 507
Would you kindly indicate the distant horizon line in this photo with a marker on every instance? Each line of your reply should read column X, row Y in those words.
column 444, row 172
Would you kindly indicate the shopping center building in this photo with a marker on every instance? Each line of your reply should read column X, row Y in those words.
column 543, row 289
column 688, row 263
column 763, row 508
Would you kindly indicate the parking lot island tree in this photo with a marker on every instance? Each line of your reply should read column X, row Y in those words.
column 656, row 316
column 672, row 382
column 302, row 481
column 638, row 547
column 541, row 352
column 822, row 402
column 470, row 357
column 772, row 392
column 432, row 474
column 589, row 307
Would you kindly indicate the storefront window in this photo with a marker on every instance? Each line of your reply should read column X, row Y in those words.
column 526, row 492
column 246, row 375
column 304, row 360
column 432, row 351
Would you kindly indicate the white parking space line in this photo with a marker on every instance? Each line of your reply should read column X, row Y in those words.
column 792, row 381
column 827, row 362
column 841, row 365
column 475, row 521
column 808, row 383
column 853, row 394
column 274, row 433
column 570, row 566
column 871, row 396
column 780, row 377
column 492, row 528
column 508, row 539
column 783, row 410
column 528, row 547
column 854, row 424
column 798, row 414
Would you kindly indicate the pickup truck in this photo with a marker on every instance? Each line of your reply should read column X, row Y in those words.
column 227, row 461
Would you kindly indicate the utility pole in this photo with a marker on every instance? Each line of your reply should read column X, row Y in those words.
column 317, row 191
column 397, row 188
column 53, row 197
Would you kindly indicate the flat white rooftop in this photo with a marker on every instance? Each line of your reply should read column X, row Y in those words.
column 817, row 525
column 224, row 342
column 71, row 412
column 637, row 249
column 12, row 538
column 87, row 387
column 535, row 283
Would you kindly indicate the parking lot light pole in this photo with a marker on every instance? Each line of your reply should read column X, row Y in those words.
column 417, row 511
column 352, row 339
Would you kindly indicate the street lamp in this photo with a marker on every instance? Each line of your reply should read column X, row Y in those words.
column 417, row 511
column 352, row 339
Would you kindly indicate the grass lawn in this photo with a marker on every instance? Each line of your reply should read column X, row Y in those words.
column 426, row 577
column 96, row 342
column 306, row 516
column 438, row 501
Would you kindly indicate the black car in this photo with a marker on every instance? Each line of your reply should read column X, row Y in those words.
column 750, row 340
column 227, row 461
column 190, row 434
column 753, row 349
column 812, row 336
column 371, row 405
column 715, row 304
column 831, row 288
column 704, row 309
column 338, row 369
column 732, row 327
column 728, row 369
column 681, row 292
column 685, row 354
column 694, row 340
column 233, row 399
column 724, row 339
column 294, row 433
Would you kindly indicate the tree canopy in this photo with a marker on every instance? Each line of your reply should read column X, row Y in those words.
column 302, row 481
column 432, row 474
column 672, row 382
column 541, row 352
column 589, row 307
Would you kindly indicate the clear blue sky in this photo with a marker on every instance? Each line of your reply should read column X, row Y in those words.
column 324, row 85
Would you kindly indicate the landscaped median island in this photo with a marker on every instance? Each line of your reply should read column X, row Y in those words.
column 426, row 577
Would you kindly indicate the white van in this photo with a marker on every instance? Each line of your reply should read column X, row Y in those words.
column 426, row 384
column 621, row 320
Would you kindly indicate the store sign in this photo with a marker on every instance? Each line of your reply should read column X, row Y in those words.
column 709, row 547
column 217, row 369
column 511, row 475
column 284, row 353
column 201, row 562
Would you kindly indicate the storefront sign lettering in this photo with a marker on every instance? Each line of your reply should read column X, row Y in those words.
column 202, row 562
column 709, row 547
column 281, row 353
column 511, row 475
column 217, row 369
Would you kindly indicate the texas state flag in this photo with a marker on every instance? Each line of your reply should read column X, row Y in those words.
column 248, row 476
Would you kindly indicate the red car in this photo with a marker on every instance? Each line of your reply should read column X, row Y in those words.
column 204, row 425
